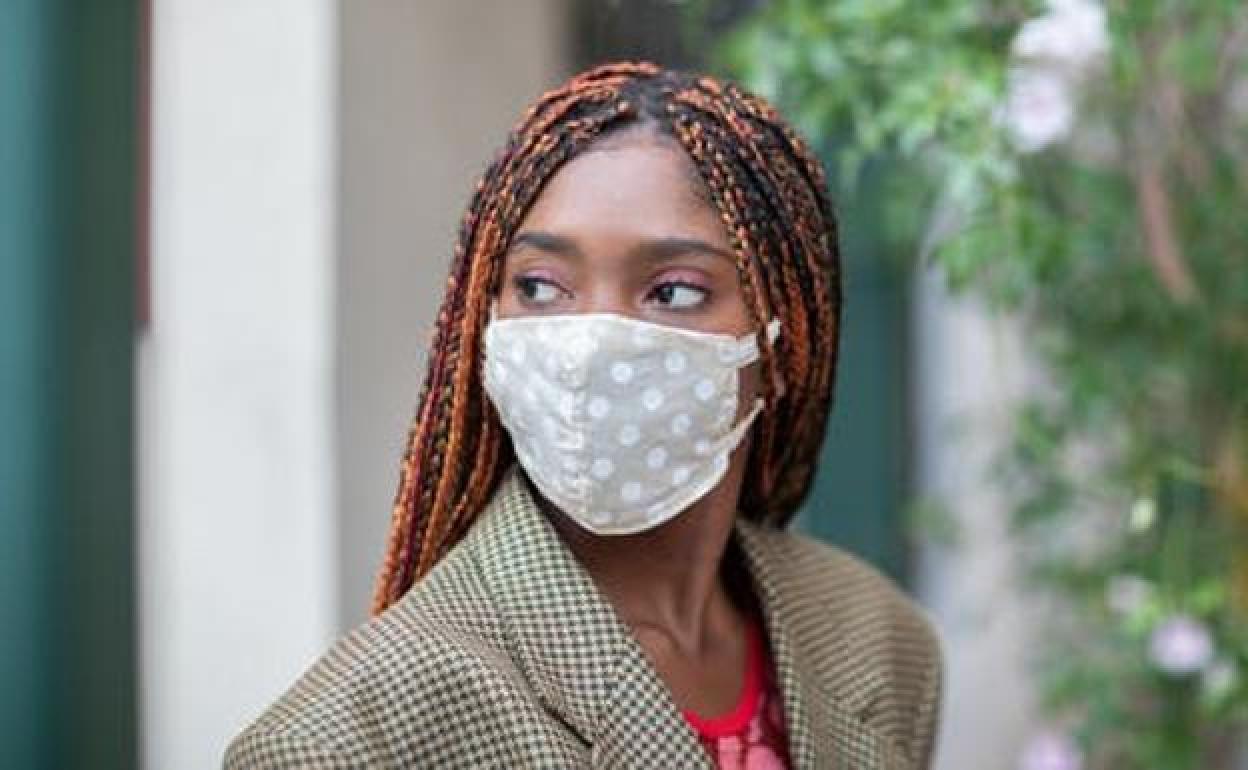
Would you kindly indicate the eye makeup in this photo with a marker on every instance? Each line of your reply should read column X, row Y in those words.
column 675, row 291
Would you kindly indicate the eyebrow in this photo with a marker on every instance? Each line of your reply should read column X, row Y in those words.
column 650, row 249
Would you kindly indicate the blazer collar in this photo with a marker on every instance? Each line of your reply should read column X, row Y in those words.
column 588, row 668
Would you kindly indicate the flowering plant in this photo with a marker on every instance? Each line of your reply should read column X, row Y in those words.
column 1084, row 167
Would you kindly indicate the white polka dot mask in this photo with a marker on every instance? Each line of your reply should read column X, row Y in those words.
column 621, row 423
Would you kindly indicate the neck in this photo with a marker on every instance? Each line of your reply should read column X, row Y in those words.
column 671, row 581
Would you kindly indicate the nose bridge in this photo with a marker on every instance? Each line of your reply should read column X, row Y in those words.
column 608, row 291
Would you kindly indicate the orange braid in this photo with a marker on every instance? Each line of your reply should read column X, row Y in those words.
column 770, row 193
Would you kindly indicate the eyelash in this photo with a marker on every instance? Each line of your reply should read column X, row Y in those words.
column 523, row 282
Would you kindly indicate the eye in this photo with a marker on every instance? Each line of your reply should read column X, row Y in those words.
column 535, row 290
column 679, row 295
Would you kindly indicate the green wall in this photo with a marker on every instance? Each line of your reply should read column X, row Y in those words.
column 68, row 99
column 864, row 480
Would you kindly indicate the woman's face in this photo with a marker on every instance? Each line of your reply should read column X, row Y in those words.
column 621, row 228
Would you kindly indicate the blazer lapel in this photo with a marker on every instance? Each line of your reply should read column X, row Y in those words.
column 584, row 662
column 589, row 670
column 813, row 661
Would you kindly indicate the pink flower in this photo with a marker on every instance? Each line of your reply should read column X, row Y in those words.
column 1180, row 645
column 1051, row 750
column 1039, row 108
column 1053, row 54
column 1073, row 33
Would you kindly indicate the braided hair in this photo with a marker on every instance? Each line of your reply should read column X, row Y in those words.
column 770, row 192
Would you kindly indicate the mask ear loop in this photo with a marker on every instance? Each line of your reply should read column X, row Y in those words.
column 750, row 353
column 773, row 330
column 747, row 351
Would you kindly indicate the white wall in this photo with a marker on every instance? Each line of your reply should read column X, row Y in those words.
column 969, row 368
column 428, row 92
column 311, row 159
column 236, row 564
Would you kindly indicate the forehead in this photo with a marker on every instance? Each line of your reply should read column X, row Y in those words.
column 631, row 184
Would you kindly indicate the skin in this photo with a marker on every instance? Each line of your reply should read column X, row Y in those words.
column 625, row 228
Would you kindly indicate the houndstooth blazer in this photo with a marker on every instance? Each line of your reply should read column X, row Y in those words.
column 506, row 655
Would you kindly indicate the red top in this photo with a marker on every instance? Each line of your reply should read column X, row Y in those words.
column 751, row 735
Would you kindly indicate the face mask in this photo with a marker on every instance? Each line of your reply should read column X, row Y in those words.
column 621, row 423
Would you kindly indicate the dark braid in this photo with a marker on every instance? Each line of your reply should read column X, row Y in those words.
column 769, row 190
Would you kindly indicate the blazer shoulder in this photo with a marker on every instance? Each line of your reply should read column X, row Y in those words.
column 848, row 585
column 380, row 691
column 880, row 646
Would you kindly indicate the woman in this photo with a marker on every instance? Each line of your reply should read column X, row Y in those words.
column 626, row 396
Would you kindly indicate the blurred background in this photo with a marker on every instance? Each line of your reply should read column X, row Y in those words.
column 224, row 230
